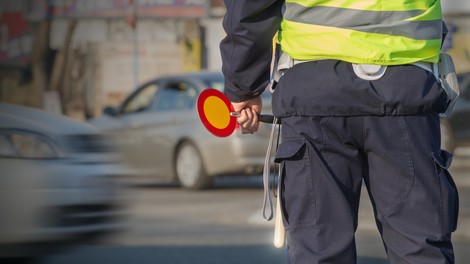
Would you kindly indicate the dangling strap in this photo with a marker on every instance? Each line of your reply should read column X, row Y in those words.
column 267, row 201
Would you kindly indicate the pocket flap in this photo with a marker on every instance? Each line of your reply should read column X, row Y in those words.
column 443, row 158
column 290, row 149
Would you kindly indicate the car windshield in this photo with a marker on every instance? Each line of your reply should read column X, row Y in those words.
column 215, row 81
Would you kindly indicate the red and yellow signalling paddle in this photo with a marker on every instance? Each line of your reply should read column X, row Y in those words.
column 217, row 114
column 214, row 111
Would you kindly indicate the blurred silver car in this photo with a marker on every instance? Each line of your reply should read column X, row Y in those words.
column 57, row 182
column 159, row 128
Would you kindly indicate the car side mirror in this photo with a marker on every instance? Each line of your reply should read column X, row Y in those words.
column 109, row 110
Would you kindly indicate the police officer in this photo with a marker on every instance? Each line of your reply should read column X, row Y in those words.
column 359, row 103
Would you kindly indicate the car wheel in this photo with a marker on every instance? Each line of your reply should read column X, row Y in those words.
column 190, row 169
column 447, row 136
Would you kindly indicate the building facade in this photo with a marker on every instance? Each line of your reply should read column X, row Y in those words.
column 115, row 45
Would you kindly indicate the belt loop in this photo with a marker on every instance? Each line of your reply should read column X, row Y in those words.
column 369, row 72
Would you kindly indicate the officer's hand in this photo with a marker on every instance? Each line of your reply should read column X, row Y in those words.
column 248, row 117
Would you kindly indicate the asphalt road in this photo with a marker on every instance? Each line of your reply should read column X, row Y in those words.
column 224, row 225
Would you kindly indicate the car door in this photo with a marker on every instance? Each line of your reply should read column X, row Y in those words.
column 171, row 118
column 134, row 114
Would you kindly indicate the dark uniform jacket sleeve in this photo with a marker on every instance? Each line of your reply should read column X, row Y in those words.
column 247, row 49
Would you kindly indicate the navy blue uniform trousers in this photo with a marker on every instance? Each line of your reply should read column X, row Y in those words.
column 338, row 132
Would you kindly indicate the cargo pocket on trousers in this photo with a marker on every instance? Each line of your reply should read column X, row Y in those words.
column 297, row 184
column 448, row 190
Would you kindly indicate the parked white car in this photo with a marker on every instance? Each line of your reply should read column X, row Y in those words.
column 57, row 182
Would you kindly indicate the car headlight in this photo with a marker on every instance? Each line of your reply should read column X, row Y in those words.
column 28, row 145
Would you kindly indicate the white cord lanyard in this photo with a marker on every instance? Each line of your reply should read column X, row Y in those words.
column 267, row 201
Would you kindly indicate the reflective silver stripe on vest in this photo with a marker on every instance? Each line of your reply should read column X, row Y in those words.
column 382, row 22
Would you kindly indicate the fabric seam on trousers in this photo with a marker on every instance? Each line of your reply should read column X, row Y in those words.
column 413, row 174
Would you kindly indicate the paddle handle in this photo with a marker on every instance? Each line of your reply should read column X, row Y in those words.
column 268, row 119
column 262, row 118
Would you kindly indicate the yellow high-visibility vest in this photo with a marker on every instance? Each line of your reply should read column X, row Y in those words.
column 384, row 32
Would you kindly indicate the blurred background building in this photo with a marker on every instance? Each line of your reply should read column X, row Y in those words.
column 76, row 56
